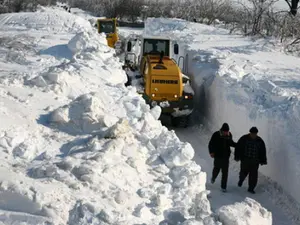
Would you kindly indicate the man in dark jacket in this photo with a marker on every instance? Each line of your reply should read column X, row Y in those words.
column 219, row 149
column 251, row 150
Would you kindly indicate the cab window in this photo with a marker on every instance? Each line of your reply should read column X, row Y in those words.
column 107, row 27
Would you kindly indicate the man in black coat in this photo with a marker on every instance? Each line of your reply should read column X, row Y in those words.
column 219, row 149
column 251, row 151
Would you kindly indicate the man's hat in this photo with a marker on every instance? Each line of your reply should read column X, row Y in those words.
column 225, row 127
column 253, row 130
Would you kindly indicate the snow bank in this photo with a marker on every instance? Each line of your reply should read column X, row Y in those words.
column 90, row 49
column 245, row 83
column 158, row 26
column 134, row 157
column 132, row 142
column 244, row 213
column 90, row 150
column 84, row 42
column 91, row 55
column 255, row 102
column 46, row 19
column 24, row 199
column 88, row 113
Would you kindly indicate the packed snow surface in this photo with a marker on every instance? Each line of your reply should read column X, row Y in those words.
column 77, row 146
column 244, row 213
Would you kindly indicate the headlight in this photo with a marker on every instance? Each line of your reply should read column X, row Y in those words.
column 175, row 96
column 188, row 96
column 153, row 95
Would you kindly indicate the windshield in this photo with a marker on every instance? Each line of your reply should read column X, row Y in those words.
column 153, row 46
column 107, row 27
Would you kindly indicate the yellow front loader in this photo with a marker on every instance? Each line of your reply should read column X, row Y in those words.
column 109, row 27
column 158, row 77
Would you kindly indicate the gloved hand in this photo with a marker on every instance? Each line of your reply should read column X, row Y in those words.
column 212, row 155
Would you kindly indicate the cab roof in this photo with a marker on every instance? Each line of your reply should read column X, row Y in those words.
column 156, row 37
column 106, row 19
column 168, row 67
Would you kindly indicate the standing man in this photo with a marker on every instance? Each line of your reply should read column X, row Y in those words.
column 219, row 149
column 251, row 150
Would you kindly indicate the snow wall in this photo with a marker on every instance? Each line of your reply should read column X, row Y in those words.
column 245, row 104
column 242, row 103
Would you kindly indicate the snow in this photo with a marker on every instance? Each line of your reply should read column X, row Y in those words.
column 77, row 146
column 187, row 88
column 247, row 212
column 178, row 112
column 246, row 83
column 251, row 80
column 47, row 19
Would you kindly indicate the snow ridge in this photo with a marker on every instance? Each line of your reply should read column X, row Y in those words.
column 78, row 146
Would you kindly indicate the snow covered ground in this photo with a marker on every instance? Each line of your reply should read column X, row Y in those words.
column 78, row 147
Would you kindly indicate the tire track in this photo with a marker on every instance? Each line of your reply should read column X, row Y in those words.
column 4, row 18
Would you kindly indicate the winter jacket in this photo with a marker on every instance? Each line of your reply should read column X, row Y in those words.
column 220, row 145
column 254, row 149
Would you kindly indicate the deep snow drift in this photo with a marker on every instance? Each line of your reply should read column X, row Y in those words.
column 77, row 146
column 227, row 214
column 245, row 83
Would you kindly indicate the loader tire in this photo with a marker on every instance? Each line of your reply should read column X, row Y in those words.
column 182, row 121
column 129, row 81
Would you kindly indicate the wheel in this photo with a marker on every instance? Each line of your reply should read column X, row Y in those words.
column 128, row 83
column 182, row 121
column 174, row 121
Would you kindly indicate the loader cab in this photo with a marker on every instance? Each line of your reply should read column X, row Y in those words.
column 109, row 27
column 159, row 76
column 156, row 45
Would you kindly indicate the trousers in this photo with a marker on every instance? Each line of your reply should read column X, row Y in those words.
column 249, row 167
column 221, row 164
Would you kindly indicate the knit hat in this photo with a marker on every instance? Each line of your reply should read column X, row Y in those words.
column 225, row 127
column 253, row 130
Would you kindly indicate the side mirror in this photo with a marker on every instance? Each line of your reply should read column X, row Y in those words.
column 129, row 46
column 176, row 49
